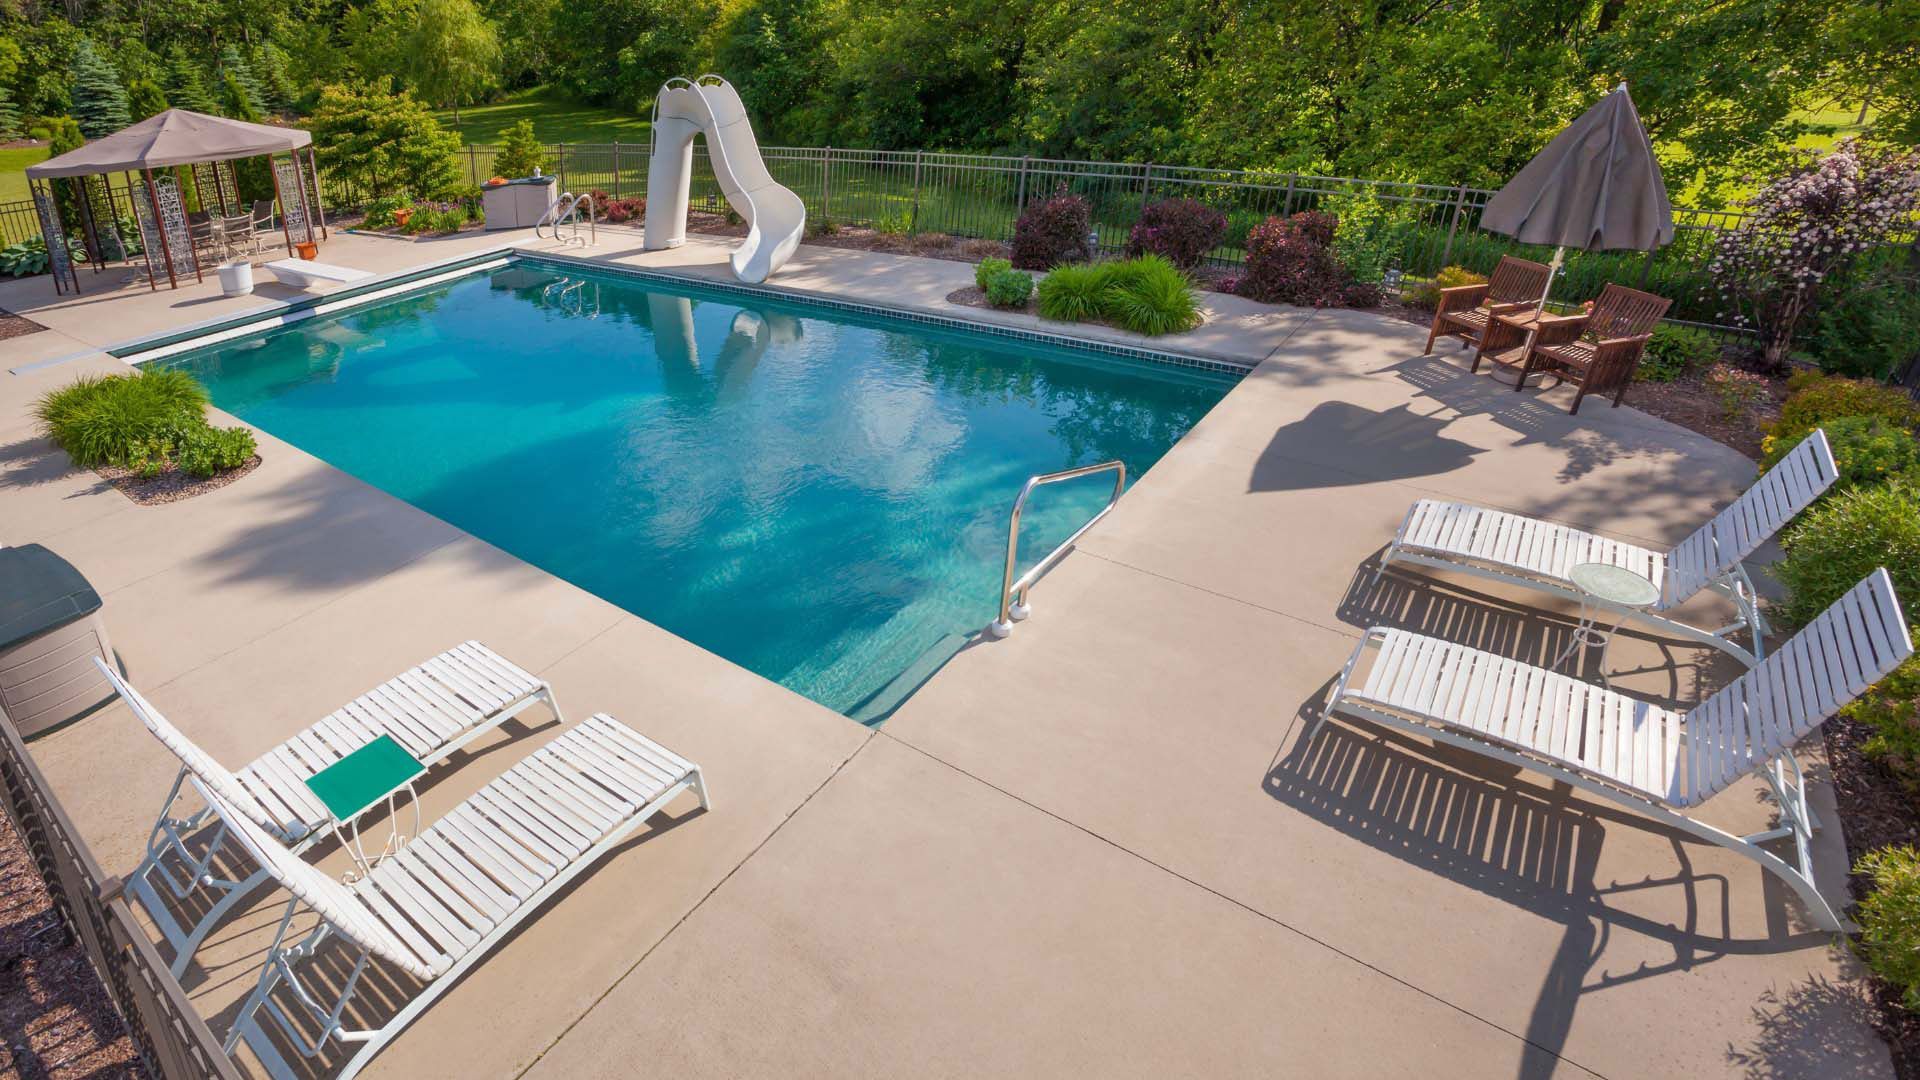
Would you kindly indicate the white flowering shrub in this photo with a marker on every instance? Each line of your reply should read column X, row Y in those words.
column 1806, row 229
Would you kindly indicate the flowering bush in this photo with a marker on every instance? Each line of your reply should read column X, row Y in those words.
column 1808, row 226
column 1739, row 391
column 1181, row 231
column 1052, row 232
column 1288, row 262
column 618, row 211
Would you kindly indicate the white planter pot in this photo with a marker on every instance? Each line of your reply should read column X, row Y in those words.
column 236, row 278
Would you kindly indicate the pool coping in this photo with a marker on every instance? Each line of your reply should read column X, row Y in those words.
column 159, row 346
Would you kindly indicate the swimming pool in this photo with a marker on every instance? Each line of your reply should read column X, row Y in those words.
column 818, row 496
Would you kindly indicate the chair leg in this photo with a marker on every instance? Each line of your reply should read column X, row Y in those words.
column 1432, row 333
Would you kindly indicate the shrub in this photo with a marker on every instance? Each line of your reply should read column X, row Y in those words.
column 1843, row 539
column 1868, row 450
column 25, row 258
column 1182, row 231
column 1366, row 239
column 1426, row 294
column 380, row 141
column 1009, row 288
column 1808, row 230
column 1147, row 295
column 520, row 152
column 1075, row 293
column 1676, row 352
column 1288, row 263
column 203, row 450
column 380, row 211
column 1052, row 232
column 435, row 217
column 1890, row 918
column 1814, row 399
column 99, row 420
column 986, row 268
column 1867, row 330
column 1737, row 390
column 1891, row 710
column 1150, row 295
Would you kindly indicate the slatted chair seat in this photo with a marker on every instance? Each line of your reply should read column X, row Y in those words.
column 1631, row 743
column 441, row 903
column 431, row 710
column 1464, row 311
column 1643, row 755
column 1522, row 550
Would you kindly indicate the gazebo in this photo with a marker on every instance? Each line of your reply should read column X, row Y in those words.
column 177, row 139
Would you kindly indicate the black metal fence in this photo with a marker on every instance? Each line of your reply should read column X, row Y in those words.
column 172, row 1040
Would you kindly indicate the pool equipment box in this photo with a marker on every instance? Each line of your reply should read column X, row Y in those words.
column 518, row 204
column 50, row 631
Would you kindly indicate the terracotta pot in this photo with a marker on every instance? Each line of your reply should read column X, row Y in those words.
column 307, row 249
column 401, row 215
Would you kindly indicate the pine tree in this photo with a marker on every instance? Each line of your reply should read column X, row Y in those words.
column 270, row 66
column 186, row 86
column 234, row 66
column 9, row 116
column 99, row 101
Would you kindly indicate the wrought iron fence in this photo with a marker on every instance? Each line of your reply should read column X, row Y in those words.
column 172, row 1040
column 980, row 195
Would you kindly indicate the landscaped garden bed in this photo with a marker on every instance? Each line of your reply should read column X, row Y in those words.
column 146, row 434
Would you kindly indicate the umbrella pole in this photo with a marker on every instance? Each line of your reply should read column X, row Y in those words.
column 1526, row 358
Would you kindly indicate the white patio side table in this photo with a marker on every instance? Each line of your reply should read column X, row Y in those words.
column 1605, row 587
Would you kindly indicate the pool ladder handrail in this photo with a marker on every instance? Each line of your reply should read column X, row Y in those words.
column 1013, row 593
column 566, row 211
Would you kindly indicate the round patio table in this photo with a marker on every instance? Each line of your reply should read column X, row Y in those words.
column 1605, row 587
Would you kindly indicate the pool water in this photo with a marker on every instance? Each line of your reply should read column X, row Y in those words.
column 819, row 497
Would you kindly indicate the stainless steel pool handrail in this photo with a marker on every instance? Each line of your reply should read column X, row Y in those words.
column 566, row 211
column 1013, row 594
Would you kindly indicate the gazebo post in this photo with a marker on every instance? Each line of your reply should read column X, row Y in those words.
column 146, row 251
column 319, row 207
column 281, row 198
column 299, row 181
column 86, row 222
column 160, row 229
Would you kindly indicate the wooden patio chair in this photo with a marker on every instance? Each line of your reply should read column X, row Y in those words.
column 1596, row 351
column 1465, row 310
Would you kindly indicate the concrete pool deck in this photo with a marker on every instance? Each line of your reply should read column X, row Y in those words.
column 1097, row 847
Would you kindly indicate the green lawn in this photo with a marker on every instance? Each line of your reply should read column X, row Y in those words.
column 555, row 119
column 13, row 170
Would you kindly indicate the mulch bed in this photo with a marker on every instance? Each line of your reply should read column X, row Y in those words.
column 56, row 1021
column 13, row 326
column 1876, row 812
column 172, row 485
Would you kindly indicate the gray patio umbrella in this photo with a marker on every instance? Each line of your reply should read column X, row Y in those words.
column 1595, row 187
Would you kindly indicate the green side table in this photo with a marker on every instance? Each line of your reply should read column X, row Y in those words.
column 356, row 783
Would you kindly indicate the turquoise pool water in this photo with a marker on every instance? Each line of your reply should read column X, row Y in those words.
column 819, row 497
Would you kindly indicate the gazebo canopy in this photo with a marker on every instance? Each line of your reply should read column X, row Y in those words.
column 174, row 137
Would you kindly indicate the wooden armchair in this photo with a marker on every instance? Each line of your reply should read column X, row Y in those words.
column 1464, row 311
column 1596, row 351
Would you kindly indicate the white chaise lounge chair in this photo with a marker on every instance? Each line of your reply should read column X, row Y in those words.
column 431, row 710
column 1658, row 761
column 1539, row 554
column 450, row 895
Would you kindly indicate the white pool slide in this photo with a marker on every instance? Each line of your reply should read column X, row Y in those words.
column 710, row 107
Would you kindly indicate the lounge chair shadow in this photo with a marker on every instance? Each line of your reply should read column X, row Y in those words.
column 33, row 461
column 1472, row 821
column 382, row 990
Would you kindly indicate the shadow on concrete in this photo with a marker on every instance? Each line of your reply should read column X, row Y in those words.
column 1397, row 444
column 1464, row 818
column 33, row 461
column 382, row 990
column 1811, row 1029
column 1407, row 600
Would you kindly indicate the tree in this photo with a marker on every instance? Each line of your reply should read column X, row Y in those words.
column 9, row 116
column 1807, row 230
column 186, row 87
column 234, row 69
column 384, row 143
column 145, row 99
column 520, row 152
column 453, row 54
column 99, row 101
